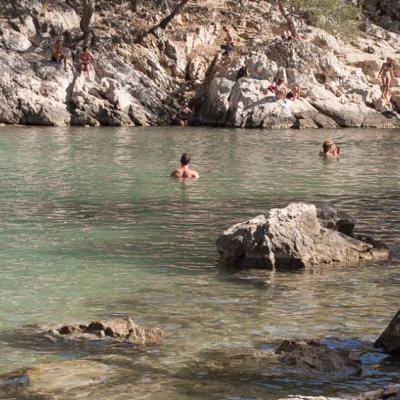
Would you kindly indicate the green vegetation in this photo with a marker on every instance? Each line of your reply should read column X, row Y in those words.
column 337, row 17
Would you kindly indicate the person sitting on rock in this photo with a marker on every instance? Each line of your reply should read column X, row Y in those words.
column 386, row 74
column 329, row 149
column 294, row 93
column 184, row 171
column 185, row 113
column 281, row 90
column 86, row 61
column 227, row 47
column 58, row 55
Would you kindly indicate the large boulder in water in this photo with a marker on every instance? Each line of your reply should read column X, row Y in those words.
column 314, row 357
column 389, row 340
column 293, row 237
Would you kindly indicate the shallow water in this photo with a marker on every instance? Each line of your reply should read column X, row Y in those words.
column 92, row 227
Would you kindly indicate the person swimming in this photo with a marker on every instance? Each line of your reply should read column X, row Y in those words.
column 184, row 171
column 329, row 149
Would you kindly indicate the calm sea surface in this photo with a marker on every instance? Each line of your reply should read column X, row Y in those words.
column 91, row 226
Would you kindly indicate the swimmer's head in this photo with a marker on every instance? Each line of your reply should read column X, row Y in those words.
column 185, row 159
column 327, row 145
column 280, row 81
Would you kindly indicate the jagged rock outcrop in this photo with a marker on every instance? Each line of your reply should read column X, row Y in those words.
column 333, row 93
column 292, row 237
column 389, row 339
column 119, row 330
column 130, row 84
column 313, row 357
column 385, row 12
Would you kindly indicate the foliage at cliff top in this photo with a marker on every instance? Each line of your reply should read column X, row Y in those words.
column 338, row 17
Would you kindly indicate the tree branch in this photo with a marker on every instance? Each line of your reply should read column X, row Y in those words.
column 164, row 23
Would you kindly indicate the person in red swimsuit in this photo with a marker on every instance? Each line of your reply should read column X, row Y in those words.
column 86, row 59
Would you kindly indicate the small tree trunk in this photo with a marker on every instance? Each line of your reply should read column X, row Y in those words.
column 289, row 20
column 87, row 13
column 165, row 22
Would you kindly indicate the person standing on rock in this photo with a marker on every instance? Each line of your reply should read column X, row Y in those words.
column 184, row 172
column 227, row 47
column 86, row 61
column 386, row 74
column 184, row 114
column 58, row 55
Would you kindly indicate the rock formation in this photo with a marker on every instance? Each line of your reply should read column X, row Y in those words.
column 335, row 94
column 293, row 237
column 391, row 392
column 119, row 330
column 389, row 339
column 313, row 357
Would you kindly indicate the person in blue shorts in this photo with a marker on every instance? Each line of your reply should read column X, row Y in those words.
column 227, row 47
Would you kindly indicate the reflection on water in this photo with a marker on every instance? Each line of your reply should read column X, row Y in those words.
column 92, row 226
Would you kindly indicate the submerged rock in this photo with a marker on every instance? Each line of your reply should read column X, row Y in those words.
column 293, row 237
column 313, row 357
column 119, row 329
column 311, row 398
column 389, row 339
column 391, row 392
column 66, row 375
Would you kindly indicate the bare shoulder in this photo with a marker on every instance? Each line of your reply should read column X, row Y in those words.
column 175, row 173
column 194, row 174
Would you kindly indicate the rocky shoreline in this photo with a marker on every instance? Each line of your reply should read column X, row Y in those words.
column 314, row 359
column 143, row 84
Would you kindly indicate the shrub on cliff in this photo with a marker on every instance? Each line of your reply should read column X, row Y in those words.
column 338, row 17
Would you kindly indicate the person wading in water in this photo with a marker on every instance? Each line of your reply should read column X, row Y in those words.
column 184, row 171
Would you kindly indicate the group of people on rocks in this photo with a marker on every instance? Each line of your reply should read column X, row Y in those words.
column 278, row 87
column 59, row 57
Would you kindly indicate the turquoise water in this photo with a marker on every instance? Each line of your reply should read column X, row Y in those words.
column 92, row 226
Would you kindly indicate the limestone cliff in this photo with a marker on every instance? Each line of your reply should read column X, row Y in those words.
column 143, row 83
